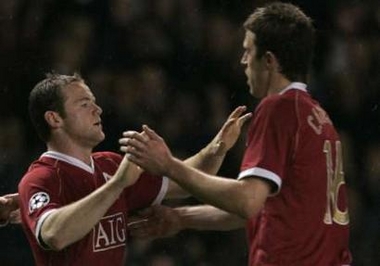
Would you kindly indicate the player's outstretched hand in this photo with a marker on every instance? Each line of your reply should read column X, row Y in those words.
column 147, row 149
column 231, row 129
column 155, row 222
column 9, row 209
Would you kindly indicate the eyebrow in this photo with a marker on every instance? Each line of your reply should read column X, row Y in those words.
column 85, row 99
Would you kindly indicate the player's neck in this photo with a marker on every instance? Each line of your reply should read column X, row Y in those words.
column 277, row 83
column 71, row 149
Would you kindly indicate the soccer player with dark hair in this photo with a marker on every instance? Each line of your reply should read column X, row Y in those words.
column 290, row 193
column 74, row 203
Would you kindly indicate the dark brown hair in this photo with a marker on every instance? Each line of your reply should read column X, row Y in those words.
column 47, row 96
column 284, row 30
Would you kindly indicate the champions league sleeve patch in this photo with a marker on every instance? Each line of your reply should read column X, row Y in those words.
column 38, row 200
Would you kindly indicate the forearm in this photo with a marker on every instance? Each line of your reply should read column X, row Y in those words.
column 206, row 217
column 209, row 159
column 72, row 222
column 223, row 193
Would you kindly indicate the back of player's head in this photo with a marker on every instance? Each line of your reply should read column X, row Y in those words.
column 284, row 30
column 47, row 96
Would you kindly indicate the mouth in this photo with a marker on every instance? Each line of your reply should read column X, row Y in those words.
column 99, row 123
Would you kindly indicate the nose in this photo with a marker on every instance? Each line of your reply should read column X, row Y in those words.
column 98, row 109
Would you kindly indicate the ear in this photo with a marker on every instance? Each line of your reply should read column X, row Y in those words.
column 53, row 119
column 271, row 62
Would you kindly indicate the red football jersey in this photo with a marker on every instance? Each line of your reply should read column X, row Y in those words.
column 56, row 180
column 292, row 143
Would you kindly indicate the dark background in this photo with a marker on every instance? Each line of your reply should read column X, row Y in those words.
column 175, row 65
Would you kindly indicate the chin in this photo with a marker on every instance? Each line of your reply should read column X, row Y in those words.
column 256, row 94
column 99, row 138
column 102, row 137
column 252, row 90
column 97, row 141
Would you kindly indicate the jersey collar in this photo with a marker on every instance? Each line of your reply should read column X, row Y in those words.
column 71, row 160
column 295, row 86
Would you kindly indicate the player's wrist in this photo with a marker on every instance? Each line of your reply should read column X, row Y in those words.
column 216, row 148
column 117, row 184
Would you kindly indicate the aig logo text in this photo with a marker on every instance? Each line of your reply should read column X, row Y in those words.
column 109, row 233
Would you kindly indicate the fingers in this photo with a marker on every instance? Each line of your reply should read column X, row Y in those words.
column 4, row 201
column 135, row 143
column 137, row 223
column 150, row 133
column 236, row 115
column 139, row 228
column 144, row 227
column 11, row 196
column 245, row 118
column 140, row 136
column 15, row 217
column 12, row 199
column 238, row 111
column 134, row 156
column 137, row 140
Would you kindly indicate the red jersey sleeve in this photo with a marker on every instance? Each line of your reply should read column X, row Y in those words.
column 271, row 135
column 148, row 190
column 39, row 193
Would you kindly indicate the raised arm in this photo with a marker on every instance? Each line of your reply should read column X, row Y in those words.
column 210, row 158
column 70, row 223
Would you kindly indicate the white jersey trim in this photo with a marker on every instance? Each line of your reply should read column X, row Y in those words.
column 40, row 222
column 163, row 190
column 261, row 172
column 294, row 86
column 71, row 160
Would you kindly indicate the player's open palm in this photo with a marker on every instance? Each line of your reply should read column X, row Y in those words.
column 230, row 131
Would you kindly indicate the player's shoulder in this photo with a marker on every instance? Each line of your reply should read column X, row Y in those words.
column 107, row 156
column 40, row 169
column 283, row 102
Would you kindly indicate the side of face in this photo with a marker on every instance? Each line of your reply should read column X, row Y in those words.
column 255, row 68
column 82, row 123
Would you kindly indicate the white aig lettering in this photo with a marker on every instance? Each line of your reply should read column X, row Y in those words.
column 109, row 233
